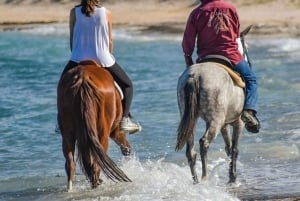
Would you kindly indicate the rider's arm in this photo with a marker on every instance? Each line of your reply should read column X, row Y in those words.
column 188, row 41
column 109, row 21
column 72, row 20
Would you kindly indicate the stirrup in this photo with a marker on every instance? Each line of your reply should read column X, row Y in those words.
column 128, row 126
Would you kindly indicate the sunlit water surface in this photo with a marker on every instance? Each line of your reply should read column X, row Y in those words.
column 31, row 160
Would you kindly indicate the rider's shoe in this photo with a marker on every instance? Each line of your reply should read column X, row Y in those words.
column 252, row 123
column 128, row 125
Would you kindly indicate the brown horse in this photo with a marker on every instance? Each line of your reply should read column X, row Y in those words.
column 89, row 113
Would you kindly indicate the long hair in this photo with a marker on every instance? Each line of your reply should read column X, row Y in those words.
column 88, row 6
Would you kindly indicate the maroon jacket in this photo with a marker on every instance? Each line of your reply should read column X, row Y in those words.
column 215, row 25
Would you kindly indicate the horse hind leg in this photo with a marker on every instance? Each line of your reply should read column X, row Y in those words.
column 191, row 156
column 95, row 179
column 70, row 165
column 237, row 130
column 120, row 139
column 210, row 134
column 227, row 139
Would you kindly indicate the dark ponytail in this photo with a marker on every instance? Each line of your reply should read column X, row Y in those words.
column 88, row 6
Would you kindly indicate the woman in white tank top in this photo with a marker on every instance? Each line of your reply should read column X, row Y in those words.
column 91, row 39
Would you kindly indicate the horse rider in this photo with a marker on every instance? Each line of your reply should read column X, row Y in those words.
column 90, row 27
column 215, row 25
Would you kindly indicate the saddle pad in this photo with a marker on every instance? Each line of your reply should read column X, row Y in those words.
column 234, row 75
column 119, row 90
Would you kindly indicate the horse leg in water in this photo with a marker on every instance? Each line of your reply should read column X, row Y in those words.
column 68, row 146
column 120, row 139
column 238, row 126
column 104, row 141
column 231, row 146
column 191, row 156
column 95, row 180
column 212, row 129
column 227, row 139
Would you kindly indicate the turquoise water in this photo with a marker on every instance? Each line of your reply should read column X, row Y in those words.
column 31, row 161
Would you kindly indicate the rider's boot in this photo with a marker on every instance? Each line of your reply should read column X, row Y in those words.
column 128, row 125
column 252, row 123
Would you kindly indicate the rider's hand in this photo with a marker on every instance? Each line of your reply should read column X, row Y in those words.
column 188, row 60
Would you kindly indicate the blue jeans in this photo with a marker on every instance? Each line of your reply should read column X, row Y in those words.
column 249, row 77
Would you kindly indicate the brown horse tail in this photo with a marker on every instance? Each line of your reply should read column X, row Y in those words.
column 91, row 153
column 189, row 115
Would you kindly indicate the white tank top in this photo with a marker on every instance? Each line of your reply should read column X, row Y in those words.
column 91, row 38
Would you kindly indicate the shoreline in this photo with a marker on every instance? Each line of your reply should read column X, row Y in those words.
column 262, row 30
column 166, row 17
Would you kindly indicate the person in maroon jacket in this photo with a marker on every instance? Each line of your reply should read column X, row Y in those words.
column 214, row 28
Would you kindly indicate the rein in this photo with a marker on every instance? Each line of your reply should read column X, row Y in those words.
column 245, row 49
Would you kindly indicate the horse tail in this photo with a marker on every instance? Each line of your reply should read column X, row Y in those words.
column 91, row 153
column 189, row 114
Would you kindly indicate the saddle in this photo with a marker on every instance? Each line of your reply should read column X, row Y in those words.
column 225, row 63
column 92, row 62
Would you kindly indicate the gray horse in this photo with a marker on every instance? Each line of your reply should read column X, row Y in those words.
column 206, row 90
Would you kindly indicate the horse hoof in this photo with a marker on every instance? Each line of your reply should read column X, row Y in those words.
column 195, row 179
column 233, row 184
column 96, row 184
column 70, row 187
column 204, row 178
column 125, row 150
column 232, row 180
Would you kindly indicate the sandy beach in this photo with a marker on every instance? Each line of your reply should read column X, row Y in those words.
column 269, row 17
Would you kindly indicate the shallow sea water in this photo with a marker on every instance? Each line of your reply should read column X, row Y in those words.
column 31, row 161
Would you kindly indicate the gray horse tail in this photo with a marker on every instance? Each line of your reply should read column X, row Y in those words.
column 189, row 114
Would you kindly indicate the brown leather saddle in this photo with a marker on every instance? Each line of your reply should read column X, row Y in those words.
column 225, row 63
